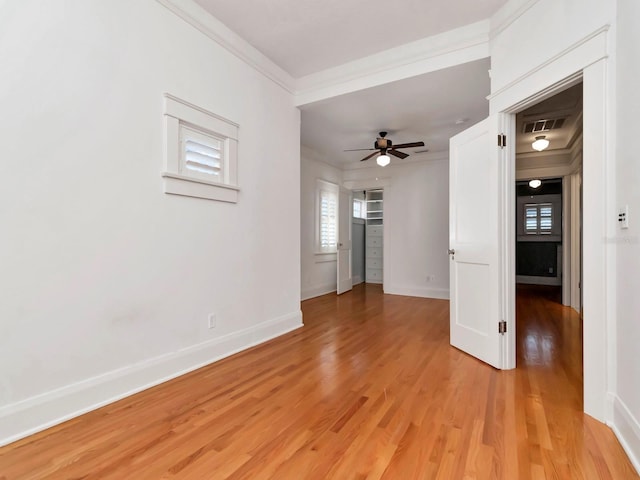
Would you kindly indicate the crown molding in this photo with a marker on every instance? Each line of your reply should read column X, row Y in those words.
column 199, row 18
column 454, row 47
column 313, row 155
column 508, row 14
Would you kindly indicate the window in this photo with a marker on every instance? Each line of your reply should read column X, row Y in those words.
column 327, row 215
column 538, row 218
column 201, row 155
column 359, row 208
column 201, row 152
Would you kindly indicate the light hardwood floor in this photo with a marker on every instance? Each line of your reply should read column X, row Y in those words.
column 369, row 388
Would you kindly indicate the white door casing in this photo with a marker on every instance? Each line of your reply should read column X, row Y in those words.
column 474, row 233
column 345, row 206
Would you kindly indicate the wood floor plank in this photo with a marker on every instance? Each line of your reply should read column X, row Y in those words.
column 369, row 389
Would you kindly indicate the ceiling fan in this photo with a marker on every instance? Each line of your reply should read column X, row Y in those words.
column 383, row 146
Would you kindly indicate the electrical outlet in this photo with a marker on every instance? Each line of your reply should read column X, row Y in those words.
column 623, row 217
column 212, row 320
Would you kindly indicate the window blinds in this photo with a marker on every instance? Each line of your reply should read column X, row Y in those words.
column 202, row 154
column 538, row 218
column 328, row 220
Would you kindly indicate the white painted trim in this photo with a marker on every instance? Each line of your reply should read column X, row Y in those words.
column 176, row 184
column 37, row 413
column 369, row 184
column 584, row 52
column 325, row 257
column 567, row 240
column 422, row 292
column 183, row 110
column 544, row 172
column 576, row 238
column 309, row 153
column 506, row 124
column 318, row 291
column 627, row 429
column 508, row 14
column 199, row 18
column 448, row 49
column 587, row 60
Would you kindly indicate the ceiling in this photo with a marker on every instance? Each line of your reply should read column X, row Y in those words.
column 565, row 106
column 423, row 108
column 307, row 36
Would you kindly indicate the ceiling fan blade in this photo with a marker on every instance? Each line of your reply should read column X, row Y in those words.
column 369, row 156
column 359, row 149
column 409, row 145
column 397, row 154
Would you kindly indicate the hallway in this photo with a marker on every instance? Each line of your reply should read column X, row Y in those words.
column 369, row 388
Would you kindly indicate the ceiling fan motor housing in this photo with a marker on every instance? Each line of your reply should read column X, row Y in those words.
column 382, row 143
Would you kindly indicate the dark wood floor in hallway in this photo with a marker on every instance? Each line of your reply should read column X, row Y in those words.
column 369, row 388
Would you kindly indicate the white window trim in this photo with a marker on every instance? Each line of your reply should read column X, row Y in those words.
column 178, row 112
column 324, row 255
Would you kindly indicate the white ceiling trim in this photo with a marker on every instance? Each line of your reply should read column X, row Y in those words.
column 437, row 52
column 309, row 153
column 508, row 14
column 206, row 23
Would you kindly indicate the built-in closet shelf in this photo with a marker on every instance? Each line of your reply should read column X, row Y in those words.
column 374, row 237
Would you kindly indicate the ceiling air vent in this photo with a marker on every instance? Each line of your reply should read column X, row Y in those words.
column 543, row 125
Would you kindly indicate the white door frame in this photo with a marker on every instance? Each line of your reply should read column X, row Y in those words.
column 586, row 61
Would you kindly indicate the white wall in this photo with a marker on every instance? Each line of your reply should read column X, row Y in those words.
column 106, row 282
column 575, row 36
column 318, row 272
column 627, row 406
column 545, row 30
column 416, row 225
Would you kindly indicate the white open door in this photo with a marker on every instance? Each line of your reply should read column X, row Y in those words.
column 474, row 211
column 345, row 206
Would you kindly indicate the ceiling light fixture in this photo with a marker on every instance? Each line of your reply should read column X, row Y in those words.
column 540, row 143
column 383, row 160
column 535, row 183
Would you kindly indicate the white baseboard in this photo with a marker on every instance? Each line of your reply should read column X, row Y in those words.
column 440, row 293
column 35, row 414
column 357, row 280
column 627, row 429
column 312, row 292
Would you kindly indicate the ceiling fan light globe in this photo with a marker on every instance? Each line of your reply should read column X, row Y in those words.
column 383, row 160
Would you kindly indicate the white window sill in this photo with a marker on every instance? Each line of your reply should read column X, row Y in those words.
column 194, row 187
column 324, row 257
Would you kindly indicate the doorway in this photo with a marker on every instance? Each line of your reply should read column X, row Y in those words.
column 595, row 183
column 368, row 236
column 548, row 227
column 548, row 203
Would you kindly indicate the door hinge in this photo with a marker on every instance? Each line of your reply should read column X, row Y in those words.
column 502, row 326
column 502, row 140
